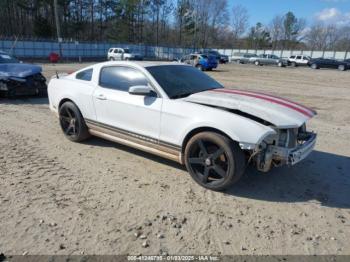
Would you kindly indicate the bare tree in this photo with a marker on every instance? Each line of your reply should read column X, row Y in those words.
column 324, row 37
column 240, row 19
column 276, row 30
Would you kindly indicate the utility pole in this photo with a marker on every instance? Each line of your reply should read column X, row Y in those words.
column 58, row 27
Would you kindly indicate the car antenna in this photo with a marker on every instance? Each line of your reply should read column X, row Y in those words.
column 57, row 76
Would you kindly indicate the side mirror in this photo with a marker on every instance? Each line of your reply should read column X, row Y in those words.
column 140, row 90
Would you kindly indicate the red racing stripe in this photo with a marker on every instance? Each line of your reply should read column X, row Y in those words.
column 302, row 111
column 280, row 98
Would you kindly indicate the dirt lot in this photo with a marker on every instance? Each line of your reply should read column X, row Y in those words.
column 58, row 197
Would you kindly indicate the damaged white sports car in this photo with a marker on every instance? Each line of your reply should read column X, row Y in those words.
column 180, row 113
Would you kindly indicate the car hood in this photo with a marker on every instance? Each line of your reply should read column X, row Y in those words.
column 280, row 112
column 19, row 70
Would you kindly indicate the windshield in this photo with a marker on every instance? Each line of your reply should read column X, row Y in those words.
column 180, row 80
column 5, row 58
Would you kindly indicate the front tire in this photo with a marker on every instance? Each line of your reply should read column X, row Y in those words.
column 214, row 161
column 200, row 67
column 314, row 66
column 72, row 122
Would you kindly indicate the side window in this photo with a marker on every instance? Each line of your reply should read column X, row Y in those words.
column 299, row 57
column 193, row 57
column 121, row 78
column 85, row 75
column 292, row 57
column 115, row 51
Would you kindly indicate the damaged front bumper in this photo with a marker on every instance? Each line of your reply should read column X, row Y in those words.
column 16, row 86
column 302, row 151
column 274, row 155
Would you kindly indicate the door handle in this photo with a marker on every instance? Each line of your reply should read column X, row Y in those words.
column 101, row 97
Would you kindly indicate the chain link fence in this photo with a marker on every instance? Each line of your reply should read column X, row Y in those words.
column 73, row 50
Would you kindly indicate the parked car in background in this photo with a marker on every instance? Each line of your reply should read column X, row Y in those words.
column 17, row 78
column 177, row 112
column 117, row 53
column 298, row 60
column 268, row 59
column 200, row 61
column 242, row 58
column 328, row 63
column 223, row 59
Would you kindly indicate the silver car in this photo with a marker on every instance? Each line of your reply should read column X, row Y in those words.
column 242, row 58
column 268, row 59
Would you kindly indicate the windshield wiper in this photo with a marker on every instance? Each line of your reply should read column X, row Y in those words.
column 188, row 94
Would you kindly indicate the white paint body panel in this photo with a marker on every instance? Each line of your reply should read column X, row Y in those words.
column 278, row 113
column 168, row 120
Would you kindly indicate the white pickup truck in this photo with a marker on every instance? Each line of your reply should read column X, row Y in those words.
column 117, row 53
column 298, row 60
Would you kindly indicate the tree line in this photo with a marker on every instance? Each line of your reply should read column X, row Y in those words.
column 182, row 23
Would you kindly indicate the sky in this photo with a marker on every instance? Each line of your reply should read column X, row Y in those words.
column 327, row 11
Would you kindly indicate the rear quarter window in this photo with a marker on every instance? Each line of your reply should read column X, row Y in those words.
column 85, row 75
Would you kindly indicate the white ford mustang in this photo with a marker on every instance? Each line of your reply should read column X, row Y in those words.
column 178, row 112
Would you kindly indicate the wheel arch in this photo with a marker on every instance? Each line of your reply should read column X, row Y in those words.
column 198, row 130
column 63, row 100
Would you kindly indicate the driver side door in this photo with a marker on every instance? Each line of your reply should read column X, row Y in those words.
column 120, row 111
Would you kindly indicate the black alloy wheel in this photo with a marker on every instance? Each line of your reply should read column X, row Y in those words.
column 72, row 122
column 214, row 161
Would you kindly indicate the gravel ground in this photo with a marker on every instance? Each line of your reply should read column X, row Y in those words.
column 98, row 197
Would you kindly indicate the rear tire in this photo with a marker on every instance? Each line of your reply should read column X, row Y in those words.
column 214, row 161
column 257, row 63
column 293, row 64
column 111, row 59
column 280, row 64
column 72, row 122
column 341, row 68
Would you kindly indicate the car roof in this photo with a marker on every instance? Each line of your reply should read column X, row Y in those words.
column 139, row 63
